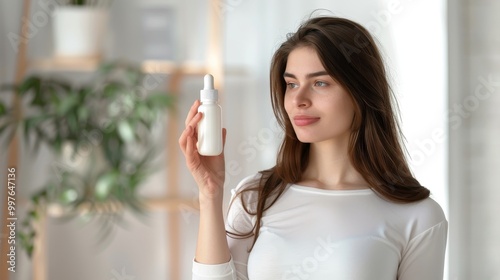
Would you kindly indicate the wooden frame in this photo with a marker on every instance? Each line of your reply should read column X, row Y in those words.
column 13, row 149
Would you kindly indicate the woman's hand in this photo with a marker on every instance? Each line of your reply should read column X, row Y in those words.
column 208, row 171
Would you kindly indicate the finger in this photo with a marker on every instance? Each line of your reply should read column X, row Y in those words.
column 224, row 133
column 195, row 119
column 191, row 150
column 183, row 139
column 190, row 131
column 192, row 111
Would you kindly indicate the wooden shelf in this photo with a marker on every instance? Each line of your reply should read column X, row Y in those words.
column 90, row 64
column 65, row 64
column 171, row 205
column 170, row 67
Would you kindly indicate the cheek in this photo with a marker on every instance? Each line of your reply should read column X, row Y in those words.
column 287, row 104
column 343, row 108
column 348, row 107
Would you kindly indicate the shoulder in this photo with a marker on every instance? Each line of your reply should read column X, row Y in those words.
column 244, row 192
column 428, row 211
column 422, row 216
column 246, row 188
column 247, row 183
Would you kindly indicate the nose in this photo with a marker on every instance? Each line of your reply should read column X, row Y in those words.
column 301, row 99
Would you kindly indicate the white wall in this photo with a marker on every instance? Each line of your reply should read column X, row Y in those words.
column 474, row 137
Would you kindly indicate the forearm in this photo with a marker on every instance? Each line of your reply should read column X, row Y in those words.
column 212, row 247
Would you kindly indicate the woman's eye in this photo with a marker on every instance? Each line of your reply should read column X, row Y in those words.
column 320, row 84
column 291, row 85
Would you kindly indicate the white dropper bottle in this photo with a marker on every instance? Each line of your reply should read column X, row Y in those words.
column 210, row 126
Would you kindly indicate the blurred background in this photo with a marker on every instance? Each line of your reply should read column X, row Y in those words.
column 443, row 58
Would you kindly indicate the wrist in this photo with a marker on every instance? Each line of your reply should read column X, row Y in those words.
column 210, row 201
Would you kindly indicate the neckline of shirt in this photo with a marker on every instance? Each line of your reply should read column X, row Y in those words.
column 331, row 192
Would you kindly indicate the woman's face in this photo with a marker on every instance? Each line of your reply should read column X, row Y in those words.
column 319, row 108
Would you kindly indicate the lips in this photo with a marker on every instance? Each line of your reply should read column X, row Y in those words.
column 304, row 120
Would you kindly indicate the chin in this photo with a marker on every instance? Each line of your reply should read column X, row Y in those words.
column 322, row 138
column 307, row 139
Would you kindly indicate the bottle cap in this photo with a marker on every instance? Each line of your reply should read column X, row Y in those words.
column 208, row 93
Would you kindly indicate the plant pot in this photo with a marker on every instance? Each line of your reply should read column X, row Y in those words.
column 79, row 31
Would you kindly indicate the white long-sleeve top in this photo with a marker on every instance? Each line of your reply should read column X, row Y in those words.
column 318, row 234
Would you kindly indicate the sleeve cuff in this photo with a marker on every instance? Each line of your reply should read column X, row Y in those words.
column 223, row 271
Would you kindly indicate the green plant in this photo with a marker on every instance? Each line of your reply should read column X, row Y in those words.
column 100, row 133
column 105, row 3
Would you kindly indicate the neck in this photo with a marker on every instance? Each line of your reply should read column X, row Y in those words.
column 330, row 167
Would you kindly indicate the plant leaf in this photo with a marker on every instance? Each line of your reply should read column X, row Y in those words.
column 125, row 131
column 68, row 196
column 112, row 89
column 83, row 114
column 3, row 109
column 29, row 83
column 160, row 100
column 73, row 124
column 105, row 184
column 108, row 67
column 66, row 105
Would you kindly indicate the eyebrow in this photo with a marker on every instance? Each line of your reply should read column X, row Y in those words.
column 310, row 75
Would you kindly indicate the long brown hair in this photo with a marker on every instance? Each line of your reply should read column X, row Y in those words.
column 350, row 55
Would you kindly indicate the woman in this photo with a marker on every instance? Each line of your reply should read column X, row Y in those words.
column 341, row 202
